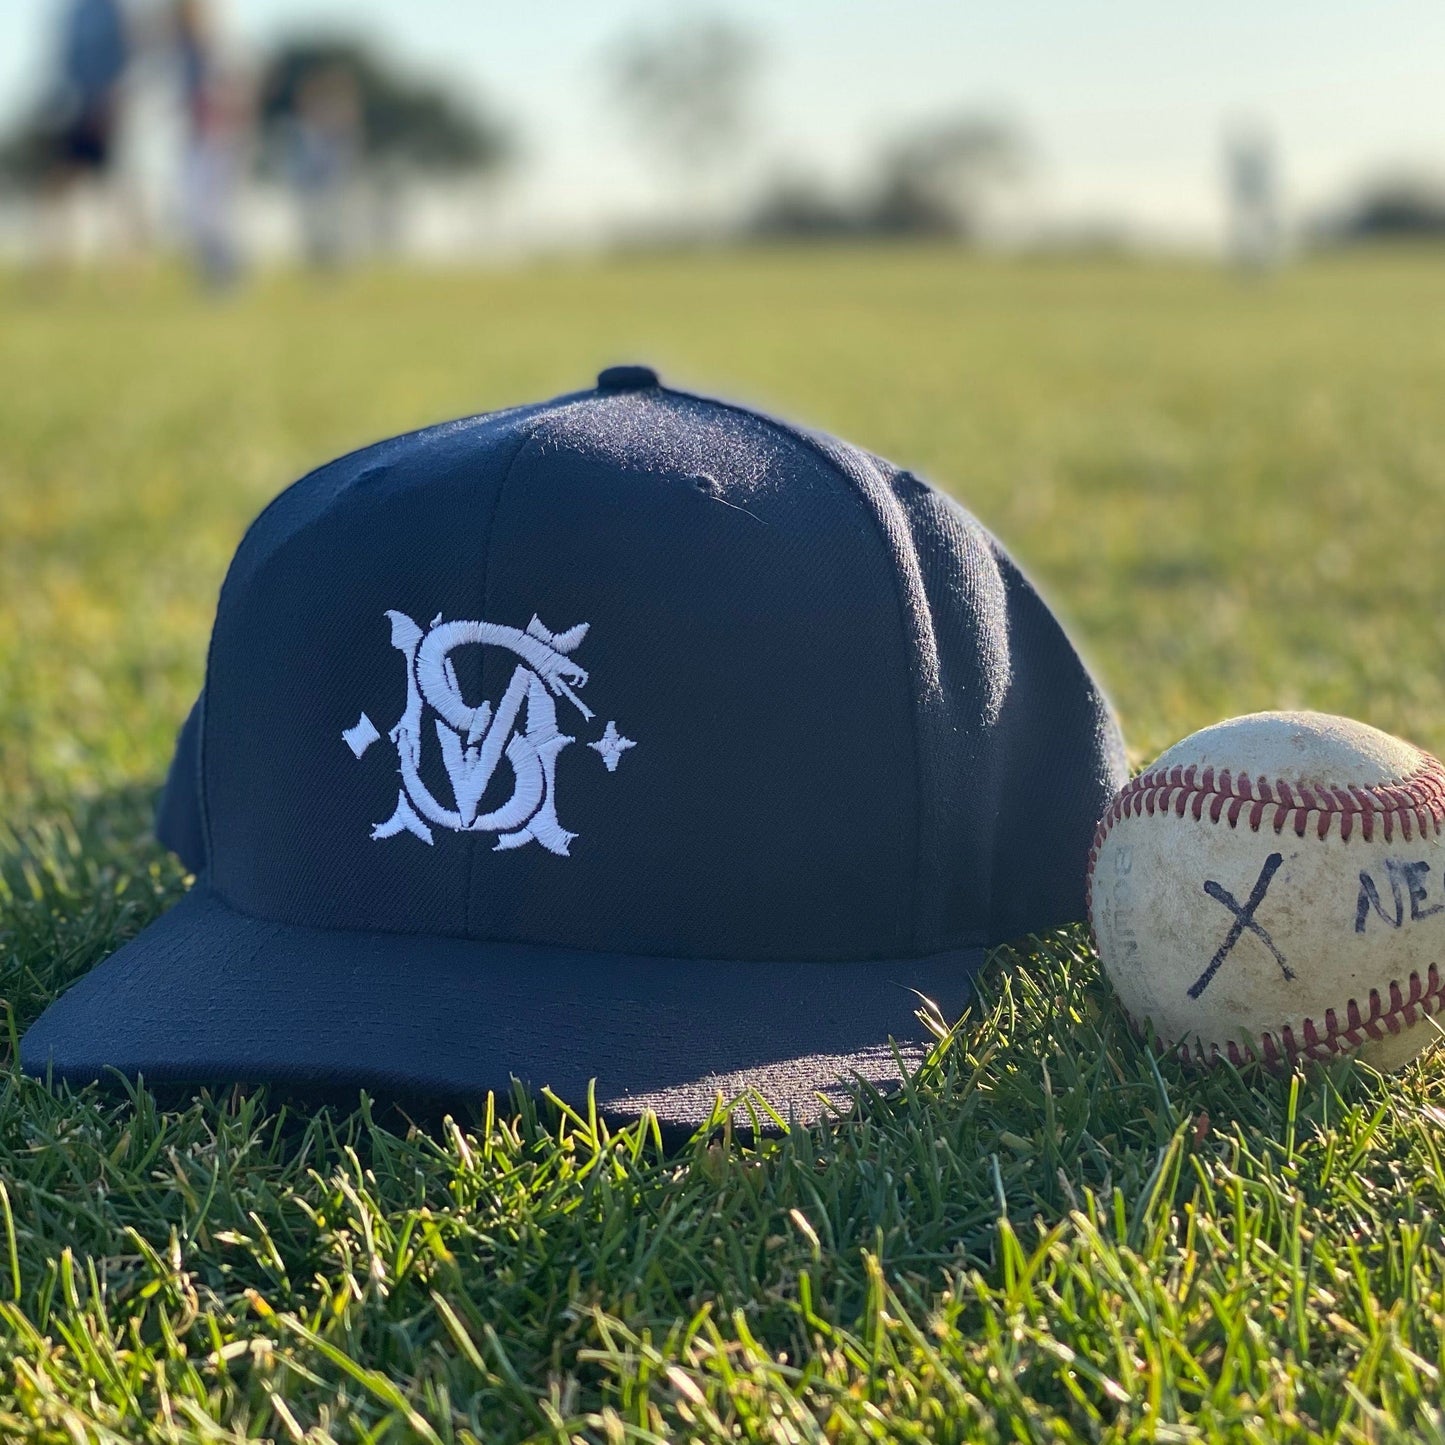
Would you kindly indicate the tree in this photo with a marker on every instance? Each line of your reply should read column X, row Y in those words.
column 798, row 207
column 687, row 88
column 403, row 122
column 1399, row 207
column 937, row 181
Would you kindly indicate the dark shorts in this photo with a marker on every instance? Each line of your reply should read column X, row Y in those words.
column 86, row 143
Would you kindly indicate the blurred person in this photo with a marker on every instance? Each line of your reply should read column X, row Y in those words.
column 218, row 113
column 1256, row 232
column 323, row 157
column 94, row 55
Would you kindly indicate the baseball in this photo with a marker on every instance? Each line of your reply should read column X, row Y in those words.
column 1274, row 887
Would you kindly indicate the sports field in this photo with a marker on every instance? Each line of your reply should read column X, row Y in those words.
column 1235, row 495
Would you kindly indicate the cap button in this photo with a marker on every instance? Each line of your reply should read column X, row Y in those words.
column 626, row 378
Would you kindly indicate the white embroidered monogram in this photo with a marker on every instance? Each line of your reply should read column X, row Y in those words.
column 474, row 739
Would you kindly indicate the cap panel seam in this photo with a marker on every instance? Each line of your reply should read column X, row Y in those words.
column 874, row 512
column 528, row 436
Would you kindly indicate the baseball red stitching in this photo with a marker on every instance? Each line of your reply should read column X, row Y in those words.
column 1416, row 801
column 1337, row 1036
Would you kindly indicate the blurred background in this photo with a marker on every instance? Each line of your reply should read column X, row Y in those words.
column 1154, row 290
column 280, row 131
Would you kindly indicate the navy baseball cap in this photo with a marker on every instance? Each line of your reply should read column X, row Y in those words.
column 630, row 737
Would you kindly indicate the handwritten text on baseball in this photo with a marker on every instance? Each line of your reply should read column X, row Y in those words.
column 1407, row 887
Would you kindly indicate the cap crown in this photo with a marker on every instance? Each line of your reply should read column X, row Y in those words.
column 635, row 672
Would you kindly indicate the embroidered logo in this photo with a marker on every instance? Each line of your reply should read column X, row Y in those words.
column 473, row 740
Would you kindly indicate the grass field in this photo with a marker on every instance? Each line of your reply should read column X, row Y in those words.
column 1236, row 496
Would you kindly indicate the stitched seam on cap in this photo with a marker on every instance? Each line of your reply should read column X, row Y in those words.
column 910, row 642
column 876, row 521
column 889, row 475
column 529, row 435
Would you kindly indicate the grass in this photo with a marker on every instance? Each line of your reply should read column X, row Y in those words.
column 1236, row 495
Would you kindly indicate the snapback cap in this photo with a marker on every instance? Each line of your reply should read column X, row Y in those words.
column 631, row 737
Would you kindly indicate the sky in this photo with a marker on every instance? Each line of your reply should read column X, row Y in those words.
column 1126, row 103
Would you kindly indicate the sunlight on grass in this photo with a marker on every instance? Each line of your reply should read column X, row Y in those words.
column 1235, row 494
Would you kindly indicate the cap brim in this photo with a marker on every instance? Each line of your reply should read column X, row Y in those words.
column 207, row 995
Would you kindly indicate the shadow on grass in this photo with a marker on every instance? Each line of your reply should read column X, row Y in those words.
column 1040, row 1097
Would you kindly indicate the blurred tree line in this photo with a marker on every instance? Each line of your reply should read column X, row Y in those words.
column 688, row 88
column 1388, row 208
column 403, row 121
column 935, row 182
